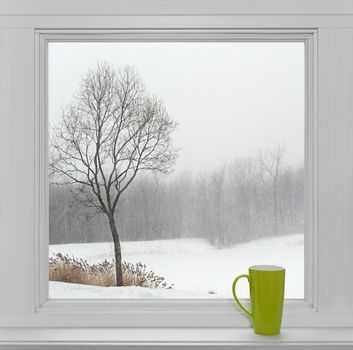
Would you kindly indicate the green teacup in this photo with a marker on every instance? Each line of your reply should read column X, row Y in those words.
column 266, row 295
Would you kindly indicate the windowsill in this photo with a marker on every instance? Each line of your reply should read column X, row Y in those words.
column 174, row 336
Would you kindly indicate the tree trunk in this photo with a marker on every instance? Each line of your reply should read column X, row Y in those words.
column 275, row 210
column 117, row 251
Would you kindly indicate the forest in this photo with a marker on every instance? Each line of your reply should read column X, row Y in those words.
column 249, row 198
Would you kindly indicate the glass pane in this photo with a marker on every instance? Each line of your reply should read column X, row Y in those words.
column 182, row 161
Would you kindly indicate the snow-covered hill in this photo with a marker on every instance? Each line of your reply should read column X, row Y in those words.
column 197, row 269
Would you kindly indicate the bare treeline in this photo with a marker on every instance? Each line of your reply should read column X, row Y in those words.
column 247, row 199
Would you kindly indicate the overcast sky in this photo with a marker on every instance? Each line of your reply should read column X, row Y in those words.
column 229, row 99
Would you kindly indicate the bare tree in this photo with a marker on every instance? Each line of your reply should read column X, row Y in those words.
column 111, row 131
column 272, row 163
column 244, row 174
column 217, row 190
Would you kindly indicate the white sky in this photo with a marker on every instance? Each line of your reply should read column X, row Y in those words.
column 230, row 99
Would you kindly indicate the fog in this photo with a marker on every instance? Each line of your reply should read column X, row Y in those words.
column 229, row 99
column 235, row 104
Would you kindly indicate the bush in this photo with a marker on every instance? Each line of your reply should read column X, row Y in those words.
column 63, row 268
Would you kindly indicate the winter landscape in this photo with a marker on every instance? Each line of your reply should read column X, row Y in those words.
column 173, row 167
column 197, row 269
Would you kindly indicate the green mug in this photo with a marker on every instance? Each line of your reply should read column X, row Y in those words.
column 266, row 296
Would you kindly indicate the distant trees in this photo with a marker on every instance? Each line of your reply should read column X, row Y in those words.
column 110, row 132
column 231, row 204
column 216, row 197
column 272, row 166
column 246, row 194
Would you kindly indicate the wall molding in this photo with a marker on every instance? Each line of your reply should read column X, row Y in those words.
column 176, row 7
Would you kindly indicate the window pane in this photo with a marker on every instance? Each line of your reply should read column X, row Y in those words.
column 182, row 161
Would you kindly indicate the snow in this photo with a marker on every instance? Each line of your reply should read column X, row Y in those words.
column 192, row 265
column 59, row 290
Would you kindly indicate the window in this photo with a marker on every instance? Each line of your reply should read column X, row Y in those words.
column 188, row 155
column 325, row 315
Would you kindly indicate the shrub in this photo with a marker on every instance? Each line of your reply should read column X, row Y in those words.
column 63, row 268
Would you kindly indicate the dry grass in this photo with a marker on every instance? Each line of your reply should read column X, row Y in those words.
column 63, row 268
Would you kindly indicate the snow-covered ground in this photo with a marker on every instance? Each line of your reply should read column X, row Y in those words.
column 194, row 267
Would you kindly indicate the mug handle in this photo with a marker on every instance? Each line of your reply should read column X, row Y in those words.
column 236, row 298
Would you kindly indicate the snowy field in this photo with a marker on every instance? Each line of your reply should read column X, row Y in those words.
column 197, row 269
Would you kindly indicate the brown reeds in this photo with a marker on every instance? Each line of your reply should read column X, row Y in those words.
column 63, row 268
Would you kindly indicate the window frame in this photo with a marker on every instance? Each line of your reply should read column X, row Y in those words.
column 223, row 307
column 326, row 320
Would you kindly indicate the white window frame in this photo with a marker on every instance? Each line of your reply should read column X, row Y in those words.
column 44, row 37
column 328, row 305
